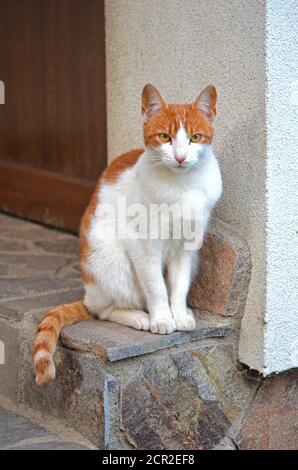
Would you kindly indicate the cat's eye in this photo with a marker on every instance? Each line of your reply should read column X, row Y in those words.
column 164, row 137
column 196, row 138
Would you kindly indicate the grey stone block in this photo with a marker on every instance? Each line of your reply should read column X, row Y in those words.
column 37, row 262
column 18, row 287
column 52, row 445
column 76, row 396
column 9, row 371
column 12, row 245
column 16, row 308
column 117, row 342
column 3, row 269
column 9, row 313
column 64, row 245
column 180, row 401
column 15, row 428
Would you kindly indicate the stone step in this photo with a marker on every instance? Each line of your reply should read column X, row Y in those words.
column 116, row 342
column 18, row 432
column 95, row 361
column 118, row 387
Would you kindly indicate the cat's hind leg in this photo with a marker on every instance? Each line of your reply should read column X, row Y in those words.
column 103, row 307
column 136, row 319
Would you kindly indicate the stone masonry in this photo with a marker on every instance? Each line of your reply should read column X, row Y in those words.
column 122, row 389
column 18, row 432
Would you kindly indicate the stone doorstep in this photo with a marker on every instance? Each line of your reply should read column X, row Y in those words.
column 17, row 432
column 85, row 395
column 116, row 342
column 187, row 398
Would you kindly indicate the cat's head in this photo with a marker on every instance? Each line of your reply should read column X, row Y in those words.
column 178, row 136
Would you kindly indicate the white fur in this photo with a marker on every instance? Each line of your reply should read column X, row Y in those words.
column 42, row 354
column 128, row 274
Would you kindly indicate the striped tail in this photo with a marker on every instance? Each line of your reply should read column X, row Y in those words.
column 48, row 334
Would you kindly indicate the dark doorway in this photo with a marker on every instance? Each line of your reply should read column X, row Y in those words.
column 52, row 125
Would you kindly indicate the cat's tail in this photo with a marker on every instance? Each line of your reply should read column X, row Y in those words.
column 48, row 334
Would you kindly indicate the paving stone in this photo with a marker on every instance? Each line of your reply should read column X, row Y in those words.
column 69, row 246
column 3, row 269
column 31, row 232
column 52, row 445
column 16, row 308
column 12, row 245
column 9, row 371
column 9, row 313
column 39, row 262
column 9, row 221
column 224, row 269
column 20, row 433
column 179, row 401
column 119, row 342
column 15, row 428
column 23, row 287
column 76, row 396
column 272, row 421
column 73, row 271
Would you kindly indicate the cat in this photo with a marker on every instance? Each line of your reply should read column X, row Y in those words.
column 143, row 283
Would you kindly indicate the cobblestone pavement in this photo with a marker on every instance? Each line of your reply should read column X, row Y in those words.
column 20, row 433
column 31, row 252
column 38, row 268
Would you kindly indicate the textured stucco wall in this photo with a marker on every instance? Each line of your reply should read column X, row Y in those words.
column 181, row 46
column 281, row 332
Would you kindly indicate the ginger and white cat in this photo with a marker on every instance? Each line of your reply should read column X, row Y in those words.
column 124, row 278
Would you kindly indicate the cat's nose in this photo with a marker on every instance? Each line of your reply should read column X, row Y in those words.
column 180, row 159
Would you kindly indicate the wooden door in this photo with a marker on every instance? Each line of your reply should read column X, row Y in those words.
column 52, row 125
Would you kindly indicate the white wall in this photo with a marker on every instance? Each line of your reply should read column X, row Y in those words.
column 281, row 332
column 181, row 46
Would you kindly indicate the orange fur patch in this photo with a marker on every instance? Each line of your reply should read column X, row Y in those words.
column 49, row 330
column 84, row 228
column 42, row 346
column 43, row 365
column 120, row 164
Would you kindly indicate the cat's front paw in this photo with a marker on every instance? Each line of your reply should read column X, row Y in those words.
column 184, row 319
column 163, row 325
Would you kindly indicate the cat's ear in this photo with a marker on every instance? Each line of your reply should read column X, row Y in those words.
column 206, row 102
column 152, row 102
